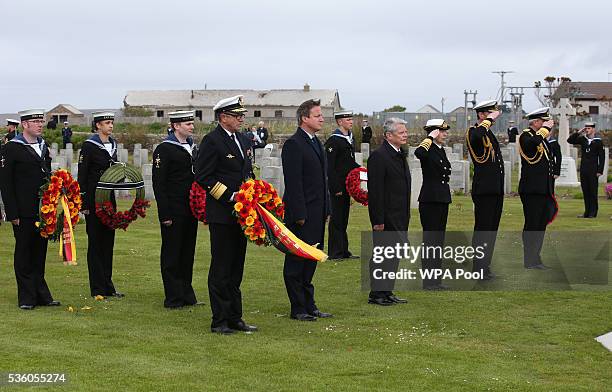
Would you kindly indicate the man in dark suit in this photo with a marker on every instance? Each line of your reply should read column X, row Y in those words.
column 536, row 185
column 591, row 166
column 487, row 184
column 307, row 206
column 25, row 165
column 172, row 179
column 555, row 149
column 366, row 132
column 388, row 204
column 340, row 154
column 435, row 195
column 223, row 164
column 262, row 132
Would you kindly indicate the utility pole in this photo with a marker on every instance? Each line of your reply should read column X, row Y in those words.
column 442, row 101
column 467, row 93
column 503, row 84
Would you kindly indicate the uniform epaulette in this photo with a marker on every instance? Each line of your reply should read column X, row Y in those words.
column 426, row 143
column 543, row 132
column 486, row 124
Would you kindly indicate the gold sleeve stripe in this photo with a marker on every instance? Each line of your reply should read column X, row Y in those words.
column 217, row 190
column 543, row 132
column 426, row 144
column 486, row 123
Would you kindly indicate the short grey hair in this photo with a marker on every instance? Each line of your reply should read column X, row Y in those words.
column 390, row 125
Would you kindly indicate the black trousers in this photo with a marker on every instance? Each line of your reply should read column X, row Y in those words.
column 381, row 288
column 228, row 250
column 338, row 222
column 535, row 209
column 487, row 214
column 433, row 220
column 298, row 272
column 29, row 261
column 177, row 256
column 588, row 183
column 100, row 245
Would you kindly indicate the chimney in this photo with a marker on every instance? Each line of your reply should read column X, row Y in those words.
column 306, row 87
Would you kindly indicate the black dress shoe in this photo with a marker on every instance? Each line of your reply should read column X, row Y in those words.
column 380, row 301
column 117, row 294
column 223, row 330
column 26, row 307
column 317, row 313
column 396, row 300
column 53, row 303
column 538, row 267
column 303, row 317
column 242, row 326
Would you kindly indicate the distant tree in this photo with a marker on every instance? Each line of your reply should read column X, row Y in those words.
column 544, row 91
column 395, row 108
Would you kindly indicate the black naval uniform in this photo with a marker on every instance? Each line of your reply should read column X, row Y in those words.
column 592, row 162
column 389, row 204
column 340, row 152
column 555, row 149
column 487, row 190
column 94, row 160
column 23, row 172
column 536, row 191
column 366, row 134
column 306, row 197
column 512, row 134
column 221, row 168
column 172, row 179
column 434, row 199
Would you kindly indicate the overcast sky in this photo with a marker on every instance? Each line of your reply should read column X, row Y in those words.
column 375, row 53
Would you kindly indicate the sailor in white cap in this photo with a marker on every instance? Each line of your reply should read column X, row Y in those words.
column 11, row 126
column 172, row 179
column 222, row 165
column 98, row 153
column 435, row 195
column 340, row 153
column 512, row 132
column 536, row 185
column 26, row 165
column 66, row 134
column 487, row 184
column 591, row 165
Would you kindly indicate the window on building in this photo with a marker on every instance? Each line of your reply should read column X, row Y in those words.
column 199, row 114
column 278, row 113
column 160, row 113
column 62, row 118
column 593, row 109
column 257, row 113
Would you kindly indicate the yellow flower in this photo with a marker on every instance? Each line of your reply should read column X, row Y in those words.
column 238, row 206
column 253, row 213
column 277, row 202
column 262, row 235
column 249, row 197
column 248, row 231
column 37, row 224
column 265, row 198
column 252, row 237
column 44, row 209
column 249, row 221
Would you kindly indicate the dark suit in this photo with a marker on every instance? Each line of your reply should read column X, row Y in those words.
column 22, row 173
column 555, row 149
column 306, row 197
column 221, row 169
column 536, row 190
column 366, row 134
column 340, row 154
column 592, row 162
column 262, row 132
column 434, row 199
column 94, row 160
column 389, row 204
column 172, row 180
column 487, row 190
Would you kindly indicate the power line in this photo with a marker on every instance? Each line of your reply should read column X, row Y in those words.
column 502, row 91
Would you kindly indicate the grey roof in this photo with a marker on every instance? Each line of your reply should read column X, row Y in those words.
column 208, row 98
column 584, row 90
column 428, row 109
column 68, row 107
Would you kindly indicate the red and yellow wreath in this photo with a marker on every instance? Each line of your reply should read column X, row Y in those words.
column 353, row 185
column 251, row 193
column 197, row 202
column 60, row 190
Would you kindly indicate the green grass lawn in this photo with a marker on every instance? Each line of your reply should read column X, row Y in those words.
column 439, row 341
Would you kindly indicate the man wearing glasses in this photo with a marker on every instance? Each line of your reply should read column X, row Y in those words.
column 25, row 165
column 222, row 165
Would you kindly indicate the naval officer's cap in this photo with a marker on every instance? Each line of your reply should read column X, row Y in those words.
column 181, row 116
column 10, row 121
column 590, row 124
column 486, row 106
column 101, row 116
column 436, row 123
column 33, row 114
column 541, row 113
column 232, row 105
column 343, row 114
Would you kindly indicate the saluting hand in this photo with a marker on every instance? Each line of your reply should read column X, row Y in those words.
column 15, row 222
column 549, row 124
column 493, row 115
column 167, row 223
column 378, row 227
column 434, row 134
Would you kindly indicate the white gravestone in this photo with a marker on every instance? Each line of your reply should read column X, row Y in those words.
column 604, row 177
column 569, row 176
column 365, row 150
column 415, row 186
